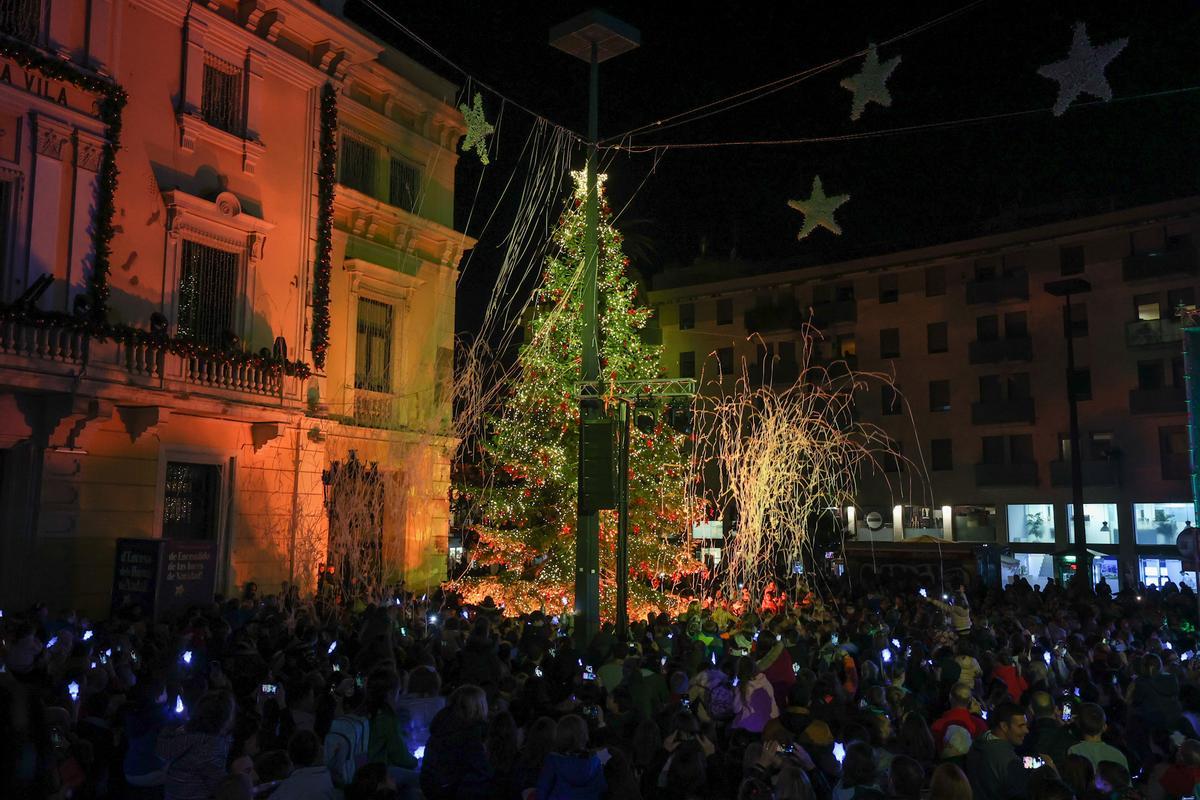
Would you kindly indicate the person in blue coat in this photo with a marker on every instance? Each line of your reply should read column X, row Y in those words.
column 571, row 772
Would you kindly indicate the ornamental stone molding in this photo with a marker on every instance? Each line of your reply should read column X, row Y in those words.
column 52, row 138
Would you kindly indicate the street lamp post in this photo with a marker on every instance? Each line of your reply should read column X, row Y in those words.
column 594, row 37
column 1065, row 288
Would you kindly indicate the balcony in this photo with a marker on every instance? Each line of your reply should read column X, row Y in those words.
column 379, row 410
column 996, row 350
column 766, row 319
column 1006, row 474
column 1002, row 412
column 56, row 345
column 1097, row 472
column 1163, row 400
column 1178, row 257
column 1152, row 332
column 998, row 290
column 776, row 373
column 826, row 314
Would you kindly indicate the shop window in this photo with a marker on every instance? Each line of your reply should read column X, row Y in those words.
column 1160, row 523
column 974, row 523
column 1099, row 523
column 1031, row 523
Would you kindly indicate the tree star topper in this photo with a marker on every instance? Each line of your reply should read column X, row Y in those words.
column 870, row 84
column 1082, row 71
column 478, row 128
column 818, row 210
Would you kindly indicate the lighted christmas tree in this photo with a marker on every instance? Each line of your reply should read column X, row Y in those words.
column 526, row 533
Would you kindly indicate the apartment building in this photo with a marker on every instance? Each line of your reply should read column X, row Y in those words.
column 977, row 349
column 207, row 325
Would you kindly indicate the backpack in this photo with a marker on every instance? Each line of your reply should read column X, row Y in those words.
column 346, row 741
column 720, row 701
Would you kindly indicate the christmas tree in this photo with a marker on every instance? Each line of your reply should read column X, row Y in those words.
column 526, row 533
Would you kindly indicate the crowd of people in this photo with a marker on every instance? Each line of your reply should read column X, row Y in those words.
column 881, row 689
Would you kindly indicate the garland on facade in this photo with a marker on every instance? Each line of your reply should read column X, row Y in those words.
column 112, row 102
column 326, row 177
column 177, row 345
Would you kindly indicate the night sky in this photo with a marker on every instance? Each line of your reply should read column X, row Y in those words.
column 907, row 189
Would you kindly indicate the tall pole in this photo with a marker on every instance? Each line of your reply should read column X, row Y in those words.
column 623, row 524
column 587, row 537
column 1079, row 527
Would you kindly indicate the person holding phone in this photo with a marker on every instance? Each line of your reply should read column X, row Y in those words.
column 1048, row 733
column 995, row 770
column 196, row 754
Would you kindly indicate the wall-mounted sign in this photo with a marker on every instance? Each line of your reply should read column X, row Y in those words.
column 57, row 92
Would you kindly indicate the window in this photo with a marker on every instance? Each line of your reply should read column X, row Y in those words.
column 1036, row 568
column 890, row 399
column 1031, row 522
column 990, row 389
column 1020, row 449
column 974, row 523
column 1064, row 447
column 1099, row 523
column 844, row 293
column 889, row 288
column 221, row 95
column 21, row 19
column 1151, row 375
column 941, row 454
column 1160, row 523
column 1016, row 325
column 985, row 269
column 846, row 347
column 1173, row 451
column 207, row 295
column 1018, row 386
column 1082, row 383
column 993, row 450
column 939, row 396
column 687, row 364
column 725, row 360
column 786, row 352
column 935, row 281
column 373, row 354
column 191, row 501
column 889, row 343
column 725, row 311
column 937, row 336
column 987, row 328
column 1071, row 260
column 1147, row 307
column 687, row 316
column 356, row 167
column 404, row 184
column 1100, row 445
column 1157, row 571
column 1079, row 321
column 1185, row 296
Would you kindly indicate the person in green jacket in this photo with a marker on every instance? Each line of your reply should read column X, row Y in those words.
column 386, row 743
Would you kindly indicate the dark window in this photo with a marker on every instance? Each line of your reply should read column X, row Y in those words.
column 687, row 316
column 990, row 390
column 1184, row 296
column 1016, row 325
column 1020, row 448
column 687, row 364
column 404, row 185
column 987, row 329
column 1083, row 384
column 889, row 288
column 941, row 454
column 373, row 354
column 191, row 501
column 890, row 400
column 786, row 351
column 844, row 292
column 993, row 450
column 725, row 360
column 1151, row 375
column 1079, row 320
column 1070, row 260
column 985, row 269
column 1064, row 446
column 1173, row 451
column 935, row 281
column 822, row 293
column 221, row 94
column 889, row 343
column 725, row 311
column 939, row 395
column 21, row 19
column 1018, row 386
column 207, row 294
column 356, row 165
column 939, row 340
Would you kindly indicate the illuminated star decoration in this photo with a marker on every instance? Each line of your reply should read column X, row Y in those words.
column 1082, row 71
column 818, row 210
column 870, row 84
column 478, row 128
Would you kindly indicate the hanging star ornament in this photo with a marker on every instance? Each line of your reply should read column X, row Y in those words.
column 478, row 128
column 870, row 84
column 818, row 210
column 1082, row 71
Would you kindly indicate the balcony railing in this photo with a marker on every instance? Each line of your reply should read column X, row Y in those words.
column 780, row 317
column 1152, row 332
column 378, row 409
column 1000, row 412
column 996, row 350
column 997, row 290
column 1006, row 474
column 1163, row 400
column 1177, row 258
column 43, row 342
column 826, row 314
column 1097, row 472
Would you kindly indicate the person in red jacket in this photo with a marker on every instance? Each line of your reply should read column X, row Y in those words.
column 963, row 712
column 774, row 661
column 1011, row 675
